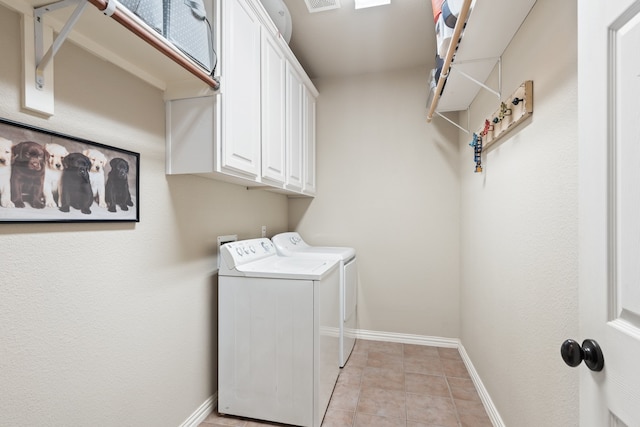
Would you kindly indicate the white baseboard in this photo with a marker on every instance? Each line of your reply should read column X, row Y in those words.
column 202, row 412
column 491, row 409
column 407, row 338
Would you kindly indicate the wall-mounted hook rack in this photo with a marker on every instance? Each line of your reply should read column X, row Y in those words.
column 517, row 108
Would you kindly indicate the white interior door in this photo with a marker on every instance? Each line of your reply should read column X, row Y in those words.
column 609, row 121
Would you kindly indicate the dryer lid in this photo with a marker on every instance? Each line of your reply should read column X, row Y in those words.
column 292, row 244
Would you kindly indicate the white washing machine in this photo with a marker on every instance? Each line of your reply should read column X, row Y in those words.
column 277, row 350
column 291, row 244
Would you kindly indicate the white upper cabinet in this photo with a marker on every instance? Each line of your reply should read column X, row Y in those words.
column 254, row 130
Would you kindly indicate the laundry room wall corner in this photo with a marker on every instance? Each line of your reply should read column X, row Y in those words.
column 388, row 185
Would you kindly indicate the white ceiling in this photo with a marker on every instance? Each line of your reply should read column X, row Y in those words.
column 346, row 41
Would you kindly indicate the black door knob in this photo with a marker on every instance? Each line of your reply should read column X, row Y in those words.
column 573, row 354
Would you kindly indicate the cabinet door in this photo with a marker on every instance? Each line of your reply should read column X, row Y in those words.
column 294, row 130
column 309, row 143
column 273, row 111
column 240, row 90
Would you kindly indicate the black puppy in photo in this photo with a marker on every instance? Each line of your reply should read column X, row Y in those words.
column 76, row 185
column 117, row 187
column 27, row 174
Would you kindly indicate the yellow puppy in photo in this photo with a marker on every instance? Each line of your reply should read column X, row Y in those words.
column 5, row 173
column 96, row 174
column 55, row 153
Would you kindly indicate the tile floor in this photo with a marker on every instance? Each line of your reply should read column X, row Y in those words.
column 396, row 385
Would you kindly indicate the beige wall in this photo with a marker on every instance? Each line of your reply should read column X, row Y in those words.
column 106, row 323
column 388, row 185
column 519, row 232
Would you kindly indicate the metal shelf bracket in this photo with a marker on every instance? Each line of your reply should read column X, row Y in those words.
column 465, row 130
column 498, row 92
column 42, row 58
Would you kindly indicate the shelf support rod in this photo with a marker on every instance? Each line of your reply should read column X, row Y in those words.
column 43, row 59
column 482, row 85
column 454, row 123
column 473, row 61
column 500, row 76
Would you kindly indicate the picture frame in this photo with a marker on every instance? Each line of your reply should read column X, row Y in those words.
column 47, row 176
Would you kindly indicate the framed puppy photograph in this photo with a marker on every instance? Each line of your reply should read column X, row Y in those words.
column 50, row 177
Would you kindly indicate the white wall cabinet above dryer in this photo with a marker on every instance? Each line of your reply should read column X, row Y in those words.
column 252, row 132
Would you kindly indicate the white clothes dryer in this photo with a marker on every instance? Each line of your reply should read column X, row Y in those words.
column 291, row 244
column 276, row 347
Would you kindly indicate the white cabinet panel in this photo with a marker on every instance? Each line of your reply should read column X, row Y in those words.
column 273, row 111
column 294, row 130
column 240, row 100
column 309, row 143
column 190, row 129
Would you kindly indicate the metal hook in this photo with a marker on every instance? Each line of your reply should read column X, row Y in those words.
column 487, row 127
column 475, row 140
column 504, row 111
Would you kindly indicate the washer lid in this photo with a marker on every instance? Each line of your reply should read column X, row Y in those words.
column 282, row 267
column 292, row 244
